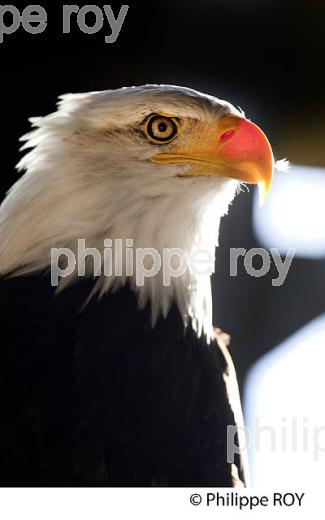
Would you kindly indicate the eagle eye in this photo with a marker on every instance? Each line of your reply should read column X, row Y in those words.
column 160, row 129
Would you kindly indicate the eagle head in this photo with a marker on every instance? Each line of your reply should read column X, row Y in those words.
column 156, row 164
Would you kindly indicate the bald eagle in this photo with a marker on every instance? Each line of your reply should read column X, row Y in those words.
column 105, row 381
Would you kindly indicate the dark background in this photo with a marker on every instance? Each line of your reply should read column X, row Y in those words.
column 266, row 56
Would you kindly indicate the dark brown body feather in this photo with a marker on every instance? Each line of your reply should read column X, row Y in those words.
column 98, row 398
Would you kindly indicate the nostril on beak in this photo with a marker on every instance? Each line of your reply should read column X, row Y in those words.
column 226, row 135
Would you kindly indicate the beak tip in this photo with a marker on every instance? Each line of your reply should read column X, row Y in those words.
column 263, row 189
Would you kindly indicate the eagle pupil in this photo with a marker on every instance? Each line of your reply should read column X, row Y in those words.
column 162, row 127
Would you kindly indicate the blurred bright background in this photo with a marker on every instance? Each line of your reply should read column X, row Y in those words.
column 284, row 389
column 268, row 58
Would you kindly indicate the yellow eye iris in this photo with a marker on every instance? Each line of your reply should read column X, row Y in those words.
column 160, row 129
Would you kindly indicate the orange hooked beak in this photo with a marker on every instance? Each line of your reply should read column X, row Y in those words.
column 232, row 147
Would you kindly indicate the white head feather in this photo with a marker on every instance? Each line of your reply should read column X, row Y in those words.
column 88, row 176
